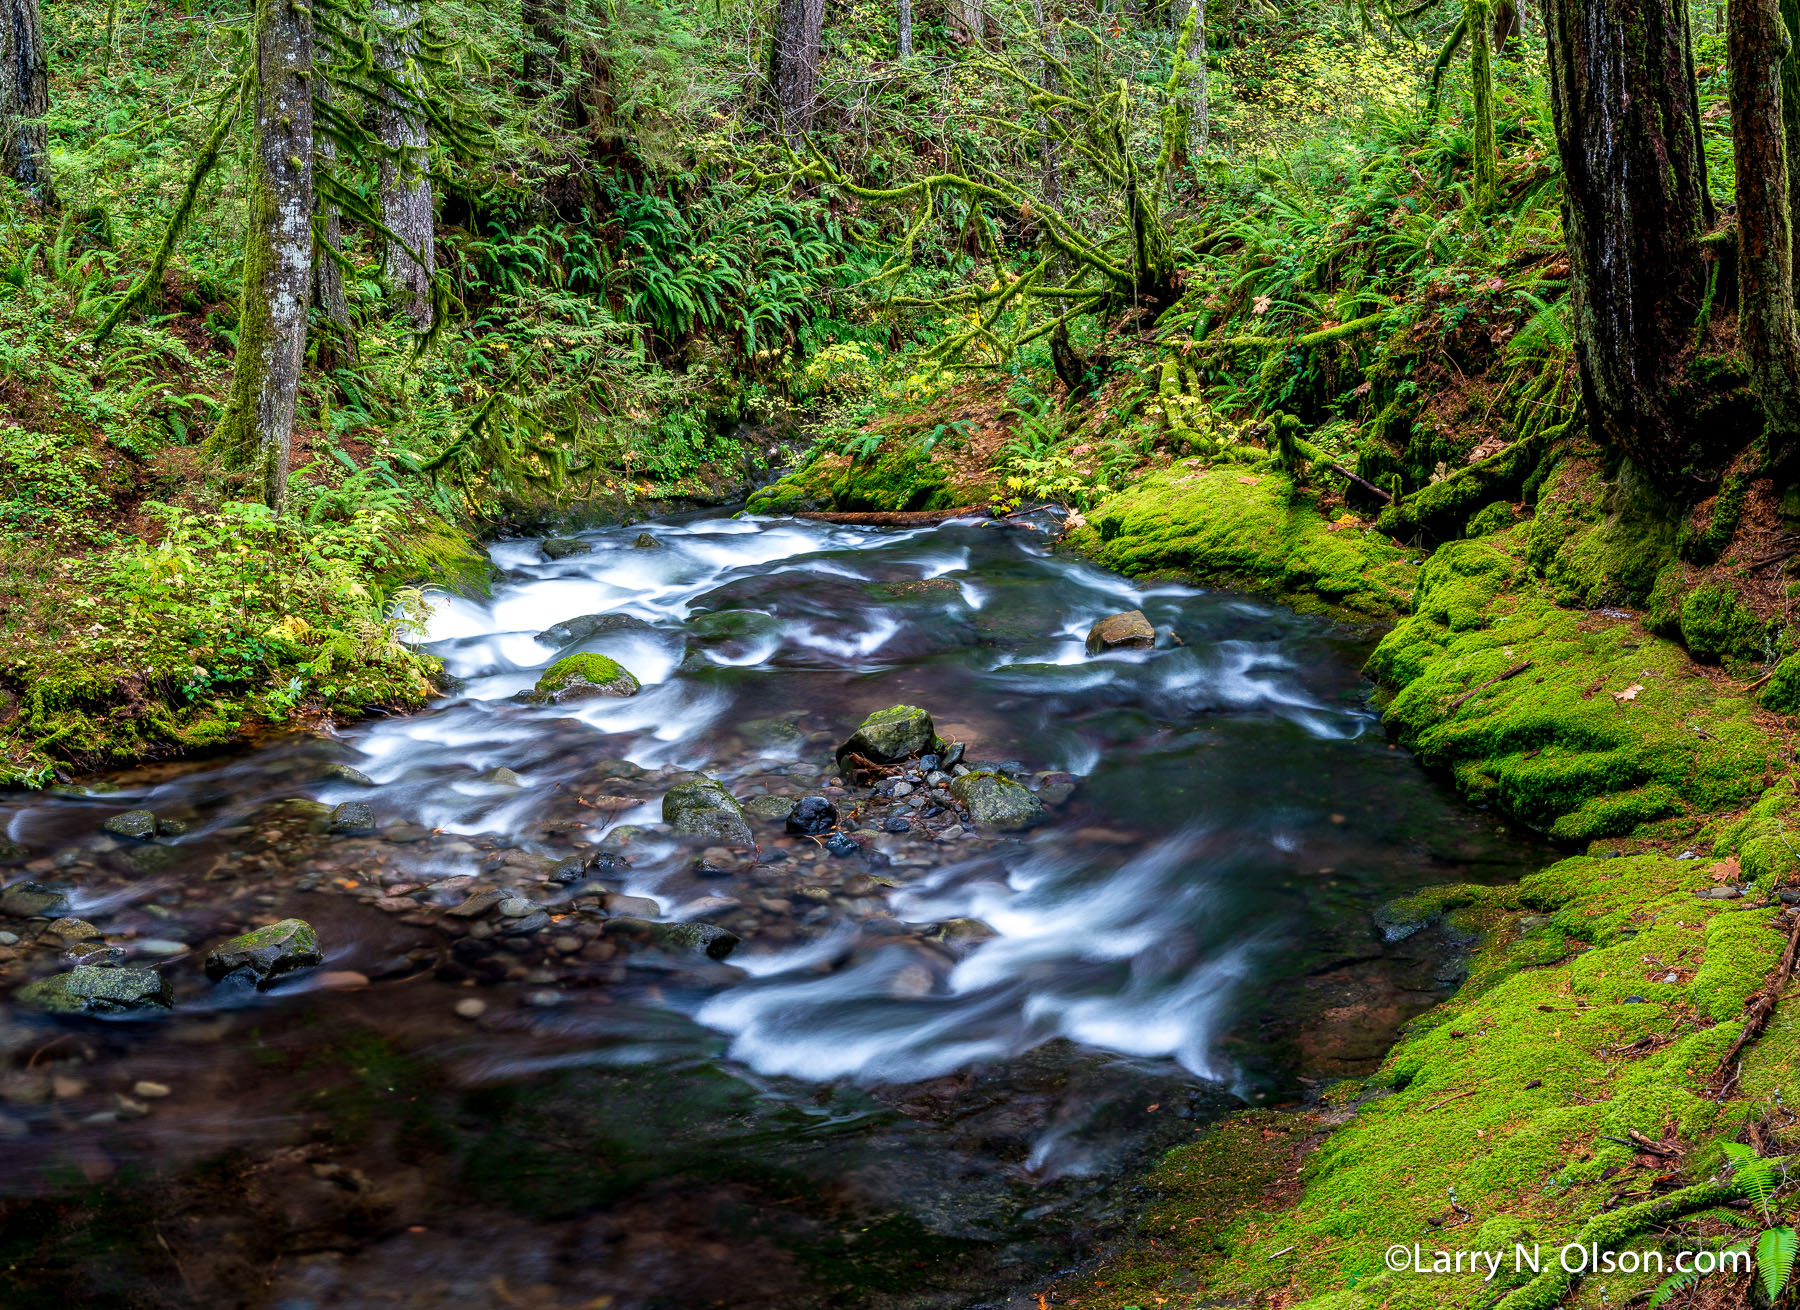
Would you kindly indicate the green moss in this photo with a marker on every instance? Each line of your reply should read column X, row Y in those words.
column 1782, row 693
column 1715, row 625
column 1230, row 526
column 1492, row 518
column 585, row 669
column 901, row 479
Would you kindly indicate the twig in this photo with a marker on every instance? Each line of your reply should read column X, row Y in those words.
column 1366, row 485
column 1757, row 1015
column 1513, row 672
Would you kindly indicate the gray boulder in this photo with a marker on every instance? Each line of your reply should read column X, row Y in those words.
column 138, row 824
column 703, row 808
column 90, row 989
column 563, row 547
column 29, row 900
column 583, row 626
column 1127, row 631
column 997, row 803
column 267, row 953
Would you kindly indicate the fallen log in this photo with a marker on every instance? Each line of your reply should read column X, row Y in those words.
column 882, row 518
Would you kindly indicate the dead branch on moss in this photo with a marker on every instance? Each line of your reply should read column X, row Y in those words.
column 1759, row 1011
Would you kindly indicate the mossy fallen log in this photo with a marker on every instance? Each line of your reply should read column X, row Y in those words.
column 1442, row 508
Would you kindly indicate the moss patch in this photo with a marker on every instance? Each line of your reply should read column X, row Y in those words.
column 1250, row 530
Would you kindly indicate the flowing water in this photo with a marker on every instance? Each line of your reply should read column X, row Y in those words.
column 930, row 1069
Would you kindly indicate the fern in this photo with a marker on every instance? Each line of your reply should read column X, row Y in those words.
column 1775, row 1250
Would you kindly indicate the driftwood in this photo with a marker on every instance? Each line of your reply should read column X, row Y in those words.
column 1513, row 672
column 922, row 518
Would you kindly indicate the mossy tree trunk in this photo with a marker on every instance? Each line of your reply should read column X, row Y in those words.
column 328, row 242
column 1634, row 208
column 1049, row 155
column 1481, row 79
column 1766, row 322
column 1506, row 29
column 794, row 62
column 1199, row 109
column 24, row 98
column 1790, row 104
column 258, row 425
column 405, row 172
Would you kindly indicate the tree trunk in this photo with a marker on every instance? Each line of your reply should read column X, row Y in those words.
column 405, row 172
column 1790, row 107
column 1506, row 29
column 968, row 21
column 1199, row 114
column 906, row 42
column 547, row 46
column 794, row 62
column 328, row 240
column 258, row 426
column 1481, row 79
column 1048, row 153
column 1766, row 319
column 24, row 99
column 1634, row 205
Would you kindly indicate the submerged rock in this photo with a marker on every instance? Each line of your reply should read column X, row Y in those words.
column 563, row 547
column 29, row 900
column 345, row 773
column 137, row 824
column 891, row 735
column 582, row 677
column 772, row 734
column 645, row 541
column 997, row 803
column 732, row 625
column 811, row 816
column 265, row 954
column 773, row 809
column 583, row 626
column 353, row 817
column 90, row 989
column 703, row 808
column 1127, row 631
column 703, row 939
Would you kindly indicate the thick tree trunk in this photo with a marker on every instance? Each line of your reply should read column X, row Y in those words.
column 328, row 239
column 1766, row 319
column 1481, row 79
column 967, row 20
column 542, row 72
column 1790, row 106
column 794, row 62
column 1199, row 114
column 405, row 172
column 1634, row 205
column 24, row 99
column 1506, row 29
column 906, row 40
column 258, row 426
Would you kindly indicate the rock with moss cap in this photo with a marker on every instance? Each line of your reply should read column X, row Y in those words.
column 89, row 989
column 582, row 677
column 891, row 735
column 996, row 803
column 265, row 954
column 737, row 625
column 702, row 808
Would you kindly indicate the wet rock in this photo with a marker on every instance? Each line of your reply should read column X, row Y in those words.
column 931, row 763
column 28, row 900
column 501, row 777
column 951, row 756
column 812, row 816
column 73, row 930
column 631, row 907
column 1396, row 920
column 1056, row 789
column 137, row 824
column 891, row 735
column 267, row 953
column 11, row 852
column 644, row 541
column 583, row 626
column 997, row 803
column 961, row 932
column 515, row 907
column 566, row 873
column 535, row 922
column 720, row 862
column 771, row 809
column 732, row 625
column 896, row 824
column 93, row 953
column 160, row 947
column 146, row 1090
column 352, row 817
column 703, row 808
column 345, row 773
column 471, row 1007
column 563, row 547
column 1127, row 631
column 477, row 904
column 707, row 939
column 91, row 990
column 171, row 827
column 843, row 845
column 582, row 677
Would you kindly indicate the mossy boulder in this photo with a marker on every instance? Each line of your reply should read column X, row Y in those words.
column 582, row 677
column 1715, row 625
column 564, row 547
column 1496, row 517
column 139, row 825
column 266, row 954
column 891, row 735
column 900, row 478
column 996, row 803
column 740, row 625
column 771, row 734
column 91, row 989
column 1782, row 691
column 30, row 900
column 702, row 809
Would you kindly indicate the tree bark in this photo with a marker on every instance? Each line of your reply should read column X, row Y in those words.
column 1199, row 115
column 405, row 171
column 906, row 38
column 24, row 99
column 258, row 426
column 968, row 21
column 1506, row 29
column 1481, row 79
column 1048, row 154
column 1790, row 106
column 1634, row 205
column 328, row 239
column 794, row 62
column 1767, row 324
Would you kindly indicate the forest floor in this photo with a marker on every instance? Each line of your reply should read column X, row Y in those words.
column 1590, row 1060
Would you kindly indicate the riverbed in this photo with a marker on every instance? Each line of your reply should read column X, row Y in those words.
column 910, row 1062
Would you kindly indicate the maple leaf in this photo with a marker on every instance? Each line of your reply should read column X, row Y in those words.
column 1630, row 693
column 1261, row 306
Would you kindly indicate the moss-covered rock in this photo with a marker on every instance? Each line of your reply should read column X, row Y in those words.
column 265, row 954
column 1782, row 692
column 1715, row 625
column 893, row 479
column 582, row 677
column 1238, row 528
column 997, row 803
column 91, row 989
column 891, row 735
column 701, row 808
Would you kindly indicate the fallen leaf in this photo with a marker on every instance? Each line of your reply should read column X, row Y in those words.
column 1261, row 306
column 1249, row 482
column 1630, row 693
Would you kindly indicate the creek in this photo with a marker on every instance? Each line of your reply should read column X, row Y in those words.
column 929, row 1073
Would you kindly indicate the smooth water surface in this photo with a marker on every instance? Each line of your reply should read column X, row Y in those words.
column 925, row 1077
